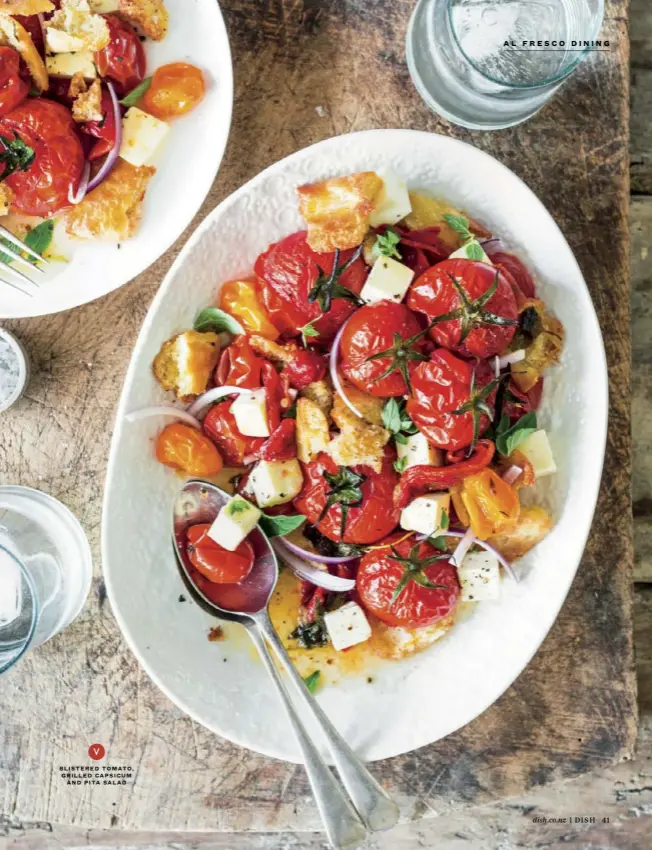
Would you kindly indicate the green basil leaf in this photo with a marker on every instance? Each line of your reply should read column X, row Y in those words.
column 312, row 681
column 445, row 521
column 509, row 438
column 291, row 412
column 386, row 244
column 39, row 238
column 277, row 526
column 135, row 95
column 214, row 319
column 438, row 542
column 474, row 251
column 400, row 464
column 460, row 224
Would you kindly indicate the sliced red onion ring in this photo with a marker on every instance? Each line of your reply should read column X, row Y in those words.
column 78, row 196
column 495, row 243
column 512, row 474
column 203, row 401
column 467, row 540
column 112, row 156
column 313, row 556
column 509, row 569
column 512, row 357
column 335, row 378
column 321, row 578
column 163, row 410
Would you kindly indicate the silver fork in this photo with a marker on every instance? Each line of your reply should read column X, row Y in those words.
column 15, row 255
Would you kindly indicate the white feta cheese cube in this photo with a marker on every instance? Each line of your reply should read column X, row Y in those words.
column 387, row 280
column 58, row 41
column 536, row 449
column 393, row 201
column 250, row 411
column 479, row 577
column 424, row 514
column 69, row 64
column 275, row 482
column 347, row 626
column 141, row 136
column 419, row 452
column 472, row 250
column 234, row 522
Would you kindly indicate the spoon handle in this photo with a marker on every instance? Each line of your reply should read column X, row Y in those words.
column 343, row 826
column 374, row 804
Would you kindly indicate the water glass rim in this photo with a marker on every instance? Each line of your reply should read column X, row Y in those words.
column 549, row 80
column 28, row 639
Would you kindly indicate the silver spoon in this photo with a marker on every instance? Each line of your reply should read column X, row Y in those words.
column 247, row 603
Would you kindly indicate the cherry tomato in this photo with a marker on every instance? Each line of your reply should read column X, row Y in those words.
column 441, row 386
column 489, row 325
column 366, row 522
column 381, row 573
column 175, row 90
column 512, row 264
column 214, row 561
column 13, row 89
column 123, row 59
column 240, row 298
column 305, row 368
column 46, row 127
column 372, row 330
column 239, row 366
column 184, row 447
column 289, row 270
column 104, row 130
column 220, row 425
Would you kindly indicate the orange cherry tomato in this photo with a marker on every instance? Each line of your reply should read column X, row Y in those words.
column 486, row 503
column 183, row 447
column 214, row 561
column 239, row 298
column 175, row 90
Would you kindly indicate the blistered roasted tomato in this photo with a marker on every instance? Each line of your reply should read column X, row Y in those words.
column 239, row 365
column 44, row 159
column 187, row 449
column 13, row 89
column 478, row 300
column 407, row 584
column 353, row 504
column 123, row 59
column 240, row 299
column 449, row 399
column 486, row 503
column 305, row 368
column 373, row 357
column 512, row 264
column 214, row 561
column 290, row 271
column 220, row 425
column 175, row 90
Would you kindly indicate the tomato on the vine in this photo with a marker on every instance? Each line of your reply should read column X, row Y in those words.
column 354, row 498
column 220, row 425
column 123, row 59
column 43, row 157
column 175, row 89
column 450, row 398
column 477, row 301
column 187, row 449
column 13, row 89
column 290, row 271
column 407, row 584
column 372, row 331
column 213, row 561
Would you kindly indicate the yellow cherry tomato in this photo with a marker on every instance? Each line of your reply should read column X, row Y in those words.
column 239, row 298
column 486, row 503
column 175, row 90
column 184, row 447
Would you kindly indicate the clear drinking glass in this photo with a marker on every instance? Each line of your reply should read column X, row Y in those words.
column 45, row 570
column 490, row 64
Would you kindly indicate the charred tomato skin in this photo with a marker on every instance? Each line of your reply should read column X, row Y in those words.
column 370, row 331
column 288, row 270
column 374, row 519
column 441, row 386
column 220, row 426
column 13, row 89
column 123, row 59
column 213, row 561
column 416, row 606
column 434, row 294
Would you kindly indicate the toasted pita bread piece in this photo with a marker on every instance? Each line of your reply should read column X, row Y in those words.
column 359, row 442
column 87, row 105
column 15, row 35
column 25, row 7
column 185, row 363
column 150, row 16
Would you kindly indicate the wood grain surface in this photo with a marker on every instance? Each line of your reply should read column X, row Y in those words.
column 305, row 71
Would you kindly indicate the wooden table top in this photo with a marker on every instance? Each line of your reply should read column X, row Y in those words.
column 305, row 72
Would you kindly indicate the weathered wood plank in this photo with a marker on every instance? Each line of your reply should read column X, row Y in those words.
column 641, row 126
column 347, row 59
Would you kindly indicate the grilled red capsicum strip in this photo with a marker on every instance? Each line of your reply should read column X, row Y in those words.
column 281, row 445
column 427, row 478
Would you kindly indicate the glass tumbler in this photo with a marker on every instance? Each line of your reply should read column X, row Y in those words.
column 45, row 570
column 490, row 64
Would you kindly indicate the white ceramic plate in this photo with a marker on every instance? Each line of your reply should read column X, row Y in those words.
column 419, row 700
column 187, row 164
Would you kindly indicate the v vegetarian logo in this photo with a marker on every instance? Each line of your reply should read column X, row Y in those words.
column 96, row 752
